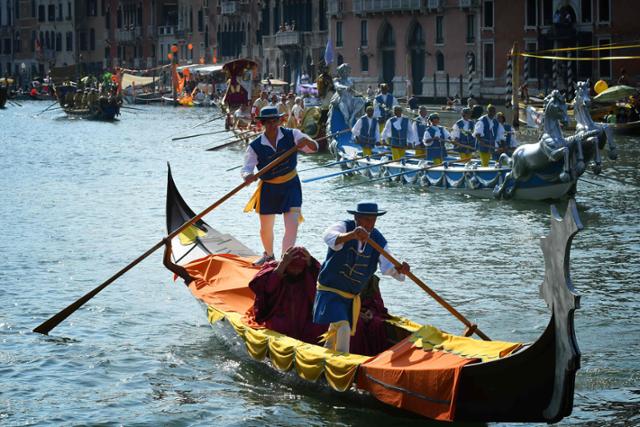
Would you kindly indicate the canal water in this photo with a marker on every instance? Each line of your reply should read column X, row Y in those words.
column 79, row 200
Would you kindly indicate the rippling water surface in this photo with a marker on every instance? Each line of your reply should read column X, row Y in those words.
column 79, row 200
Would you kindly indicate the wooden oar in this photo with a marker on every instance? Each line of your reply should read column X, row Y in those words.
column 209, row 121
column 46, row 109
column 199, row 134
column 131, row 108
column 235, row 141
column 331, row 175
column 471, row 327
column 382, row 178
column 14, row 102
column 54, row 321
column 326, row 165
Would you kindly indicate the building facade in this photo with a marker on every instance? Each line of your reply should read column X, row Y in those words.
column 441, row 48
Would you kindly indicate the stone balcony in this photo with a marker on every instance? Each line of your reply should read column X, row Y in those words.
column 166, row 30
column 288, row 38
column 379, row 6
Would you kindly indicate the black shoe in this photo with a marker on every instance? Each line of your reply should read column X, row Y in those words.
column 264, row 259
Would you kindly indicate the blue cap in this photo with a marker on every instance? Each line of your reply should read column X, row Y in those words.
column 367, row 208
column 269, row 112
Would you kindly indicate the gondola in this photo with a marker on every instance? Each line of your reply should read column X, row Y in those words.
column 104, row 110
column 526, row 383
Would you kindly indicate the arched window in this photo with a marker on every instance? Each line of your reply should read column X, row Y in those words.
column 439, row 61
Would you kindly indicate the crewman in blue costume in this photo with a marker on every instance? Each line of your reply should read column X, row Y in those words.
column 487, row 131
column 279, row 190
column 399, row 132
column 509, row 142
column 367, row 132
column 462, row 135
column 420, row 125
column 384, row 103
column 434, row 139
column 349, row 265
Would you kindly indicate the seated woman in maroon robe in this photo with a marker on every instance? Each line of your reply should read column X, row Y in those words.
column 371, row 336
column 285, row 292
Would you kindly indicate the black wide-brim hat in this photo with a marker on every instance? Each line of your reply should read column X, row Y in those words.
column 268, row 113
column 367, row 208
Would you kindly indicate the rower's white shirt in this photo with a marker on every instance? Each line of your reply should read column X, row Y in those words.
column 426, row 138
column 334, row 231
column 297, row 112
column 420, row 120
column 412, row 136
column 355, row 130
column 479, row 130
column 251, row 158
column 455, row 130
column 377, row 110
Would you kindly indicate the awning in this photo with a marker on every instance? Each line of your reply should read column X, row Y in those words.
column 201, row 68
column 274, row 82
column 130, row 79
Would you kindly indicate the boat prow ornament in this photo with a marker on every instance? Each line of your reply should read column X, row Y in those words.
column 558, row 292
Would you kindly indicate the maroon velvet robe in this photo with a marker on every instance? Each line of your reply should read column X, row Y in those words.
column 285, row 304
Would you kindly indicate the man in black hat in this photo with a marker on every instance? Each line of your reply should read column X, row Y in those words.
column 279, row 190
column 349, row 265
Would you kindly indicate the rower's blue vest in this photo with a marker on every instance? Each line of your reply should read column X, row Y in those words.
column 420, row 128
column 348, row 269
column 437, row 149
column 387, row 100
column 507, row 134
column 489, row 137
column 466, row 137
column 368, row 133
column 266, row 155
column 399, row 137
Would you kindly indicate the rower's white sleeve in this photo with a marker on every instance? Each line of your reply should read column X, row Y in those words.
column 395, row 101
column 355, row 130
column 386, row 132
column 500, row 136
column 478, row 129
column 455, row 131
column 387, row 268
column 250, row 162
column 446, row 133
column 299, row 135
column 412, row 137
column 377, row 132
column 332, row 233
column 514, row 140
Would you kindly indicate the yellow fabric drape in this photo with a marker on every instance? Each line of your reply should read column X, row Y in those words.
column 254, row 201
column 431, row 338
column 355, row 312
column 190, row 234
column 594, row 47
column 571, row 58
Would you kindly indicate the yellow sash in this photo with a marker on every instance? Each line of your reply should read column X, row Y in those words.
column 355, row 313
column 254, row 201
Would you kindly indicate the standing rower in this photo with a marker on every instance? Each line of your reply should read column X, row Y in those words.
column 420, row 125
column 349, row 265
column 279, row 190
column 434, row 138
column 462, row 134
column 399, row 132
column 384, row 104
column 487, row 131
column 367, row 132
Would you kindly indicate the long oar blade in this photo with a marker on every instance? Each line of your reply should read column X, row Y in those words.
column 470, row 326
column 55, row 320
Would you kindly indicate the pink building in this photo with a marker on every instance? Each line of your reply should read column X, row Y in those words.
column 440, row 48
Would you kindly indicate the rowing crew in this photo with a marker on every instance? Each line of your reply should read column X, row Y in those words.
column 489, row 136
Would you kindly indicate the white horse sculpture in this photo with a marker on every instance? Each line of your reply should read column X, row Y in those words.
column 528, row 159
column 590, row 148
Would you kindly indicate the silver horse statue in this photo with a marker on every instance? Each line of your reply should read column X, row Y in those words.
column 589, row 149
column 345, row 100
column 552, row 147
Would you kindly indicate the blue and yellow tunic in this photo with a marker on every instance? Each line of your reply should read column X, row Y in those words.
column 399, row 137
column 280, row 188
column 347, row 270
column 466, row 140
column 367, row 136
column 486, row 144
column 436, row 149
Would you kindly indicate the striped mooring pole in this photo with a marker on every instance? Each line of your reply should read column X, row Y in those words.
column 509, row 82
column 555, row 74
column 570, row 84
column 526, row 69
column 470, row 72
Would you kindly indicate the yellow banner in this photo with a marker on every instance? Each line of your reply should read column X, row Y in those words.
column 564, row 58
column 611, row 46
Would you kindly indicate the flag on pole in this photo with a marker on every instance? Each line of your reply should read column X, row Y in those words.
column 328, row 52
